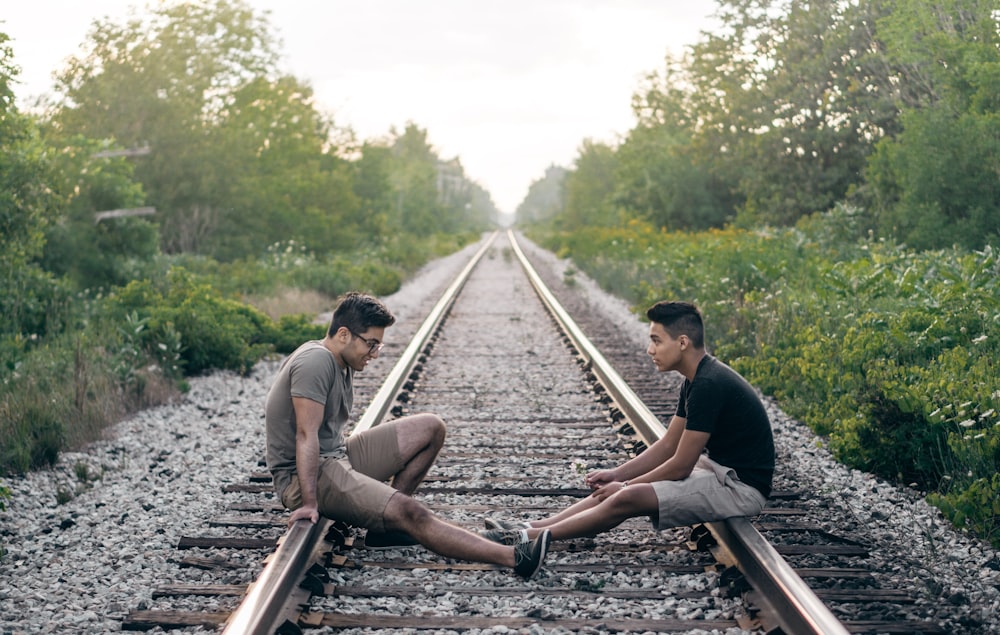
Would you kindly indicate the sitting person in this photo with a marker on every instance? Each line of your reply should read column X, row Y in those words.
column 715, row 461
column 316, row 471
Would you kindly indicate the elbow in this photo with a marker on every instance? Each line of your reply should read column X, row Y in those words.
column 680, row 474
column 306, row 441
column 682, row 471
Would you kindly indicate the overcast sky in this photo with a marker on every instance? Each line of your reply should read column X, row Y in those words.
column 510, row 87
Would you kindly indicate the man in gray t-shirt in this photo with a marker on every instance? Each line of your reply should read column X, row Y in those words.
column 313, row 373
column 317, row 471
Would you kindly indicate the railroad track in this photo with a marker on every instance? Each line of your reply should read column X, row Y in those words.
column 525, row 405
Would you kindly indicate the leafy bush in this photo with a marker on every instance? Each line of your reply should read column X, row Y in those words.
column 330, row 279
column 136, row 345
column 974, row 506
column 214, row 332
column 293, row 330
column 34, row 306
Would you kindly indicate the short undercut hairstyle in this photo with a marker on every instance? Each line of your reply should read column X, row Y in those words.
column 358, row 312
column 679, row 318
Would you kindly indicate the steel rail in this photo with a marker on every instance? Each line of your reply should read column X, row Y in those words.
column 787, row 597
column 263, row 607
column 623, row 395
column 383, row 399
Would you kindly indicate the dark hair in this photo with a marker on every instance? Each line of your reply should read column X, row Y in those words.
column 679, row 318
column 358, row 312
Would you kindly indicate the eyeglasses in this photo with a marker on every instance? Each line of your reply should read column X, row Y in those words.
column 374, row 346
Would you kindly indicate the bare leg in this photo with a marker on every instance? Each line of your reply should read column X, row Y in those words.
column 420, row 439
column 451, row 541
column 599, row 516
column 574, row 509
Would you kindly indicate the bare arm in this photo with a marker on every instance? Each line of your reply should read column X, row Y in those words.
column 308, row 417
column 670, row 458
column 657, row 454
column 681, row 464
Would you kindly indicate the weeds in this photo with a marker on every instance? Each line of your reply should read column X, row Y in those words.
column 569, row 277
column 64, row 494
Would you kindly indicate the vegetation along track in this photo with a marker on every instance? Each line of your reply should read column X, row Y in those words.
column 524, row 413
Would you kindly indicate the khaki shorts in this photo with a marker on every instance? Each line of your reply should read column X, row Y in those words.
column 354, row 489
column 712, row 492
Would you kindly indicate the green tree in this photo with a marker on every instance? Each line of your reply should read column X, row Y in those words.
column 429, row 194
column 662, row 177
column 94, row 253
column 479, row 212
column 32, row 302
column 165, row 80
column 934, row 184
column 544, row 199
column 414, row 179
column 790, row 98
column 279, row 173
column 590, row 188
column 372, row 185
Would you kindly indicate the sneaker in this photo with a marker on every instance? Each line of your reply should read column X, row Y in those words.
column 388, row 539
column 493, row 523
column 528, row 556
column 505, row 536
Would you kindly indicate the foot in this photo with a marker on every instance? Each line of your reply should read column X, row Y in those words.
column 528, row 556
column 494, row 523
column 505, row 536
column 388, row 539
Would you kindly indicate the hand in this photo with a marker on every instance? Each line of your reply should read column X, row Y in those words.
column 607, row 490
column 304, row 513
column 599, row 478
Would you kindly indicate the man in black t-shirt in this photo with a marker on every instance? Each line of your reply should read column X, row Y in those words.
column 715, row 461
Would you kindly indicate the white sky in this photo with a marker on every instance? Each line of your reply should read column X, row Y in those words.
column 510, row 87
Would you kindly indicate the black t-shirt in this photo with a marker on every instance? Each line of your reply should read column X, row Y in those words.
column 719, row 401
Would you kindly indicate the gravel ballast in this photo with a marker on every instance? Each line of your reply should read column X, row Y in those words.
column 88, row 540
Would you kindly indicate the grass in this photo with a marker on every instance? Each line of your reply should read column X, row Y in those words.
column 289, row 301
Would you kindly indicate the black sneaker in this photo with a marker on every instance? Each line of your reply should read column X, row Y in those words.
column 389, row 539
column 528, row 556
column 493, row 523
column 505, row 536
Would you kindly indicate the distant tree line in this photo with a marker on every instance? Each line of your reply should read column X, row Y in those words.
column 232, row 154
column 789, row 107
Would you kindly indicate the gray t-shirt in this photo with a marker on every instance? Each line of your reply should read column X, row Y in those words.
column 311, row 372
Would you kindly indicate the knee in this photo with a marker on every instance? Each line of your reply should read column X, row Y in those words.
column 405, row 512
column 439, row 429
column 624, row 503
column 434, row 429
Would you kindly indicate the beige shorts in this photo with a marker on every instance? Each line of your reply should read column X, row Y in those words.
column 354, row 489
column 712, row 492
